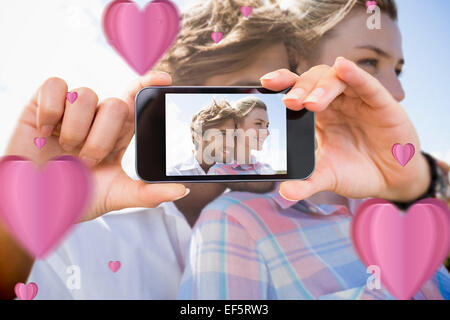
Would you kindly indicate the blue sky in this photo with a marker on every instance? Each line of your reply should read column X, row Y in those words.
column 425, row 26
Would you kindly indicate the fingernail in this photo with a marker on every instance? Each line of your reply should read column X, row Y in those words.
column 270, row 76
column 89, row 161
column 163, row 76
column 46, row 131
column 315, row 96
column 295, row 94
column 286, row 197
column 184, row 195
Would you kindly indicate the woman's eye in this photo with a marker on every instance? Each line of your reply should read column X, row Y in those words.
column 398, row 72
column 373, row 63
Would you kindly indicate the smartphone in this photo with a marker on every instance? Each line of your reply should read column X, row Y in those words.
column 221, row 134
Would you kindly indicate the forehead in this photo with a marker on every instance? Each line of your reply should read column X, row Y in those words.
column 257, row 113
column 353, row 32
column 271, row 58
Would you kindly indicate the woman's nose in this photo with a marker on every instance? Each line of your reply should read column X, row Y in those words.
column 393, row 85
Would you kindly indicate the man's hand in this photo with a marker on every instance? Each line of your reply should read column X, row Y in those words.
column 358, row 122
column 97, row 133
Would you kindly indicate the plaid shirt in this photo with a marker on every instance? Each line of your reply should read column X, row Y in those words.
column 261, row 246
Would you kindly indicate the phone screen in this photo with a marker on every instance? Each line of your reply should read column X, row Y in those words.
column 225, row 134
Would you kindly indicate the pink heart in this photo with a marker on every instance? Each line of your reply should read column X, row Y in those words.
column 72, row 97
column 26, row 292
column 114, row 266
column 403, row 154
column 371, row 4
column 40, row 142
column 246, row 11
column 217, row 36
column 408, row 248
column 141, row 37
column 39, row 206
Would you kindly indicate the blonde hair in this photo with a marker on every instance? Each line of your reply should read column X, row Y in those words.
column 213, row 115
column 194, row 56
column 245, row 105
column 318, row 17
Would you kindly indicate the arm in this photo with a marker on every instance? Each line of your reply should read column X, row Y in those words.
column 15, row 265
column 223, row 262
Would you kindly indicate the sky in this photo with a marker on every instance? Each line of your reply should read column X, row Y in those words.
column 44, row 38
column 180, row 109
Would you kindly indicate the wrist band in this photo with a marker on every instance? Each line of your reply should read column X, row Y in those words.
column 431, row 191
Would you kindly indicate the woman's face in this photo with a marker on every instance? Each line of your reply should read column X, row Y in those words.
column 256, row 125
column 379, row 52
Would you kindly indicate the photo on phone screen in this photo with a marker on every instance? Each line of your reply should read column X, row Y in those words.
column 218, row 134
column 225, row 134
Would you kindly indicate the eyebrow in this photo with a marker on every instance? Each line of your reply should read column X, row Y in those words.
column 379, row 52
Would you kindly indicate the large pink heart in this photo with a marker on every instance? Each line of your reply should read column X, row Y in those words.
column 39, row 206
column 141, row 37
column 408, row 248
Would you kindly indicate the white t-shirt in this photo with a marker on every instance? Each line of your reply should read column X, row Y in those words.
column 149, row 243
column 188, row 167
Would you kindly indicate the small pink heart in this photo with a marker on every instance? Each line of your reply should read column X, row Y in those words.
column 246, row 11
column 114, row 266
column 40, row 142
column 408, row 248
column 72, row 97
column 403, row 154
column 26, row 292
column 217, row 36
column 371, row 4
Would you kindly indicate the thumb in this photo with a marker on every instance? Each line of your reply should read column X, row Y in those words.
column 130, row 193
column 300, row 190
column 153, row 78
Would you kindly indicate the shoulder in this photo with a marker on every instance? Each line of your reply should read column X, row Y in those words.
column 218, row 169
column 264, row 168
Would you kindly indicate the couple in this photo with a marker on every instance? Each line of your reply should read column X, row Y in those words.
column 250, row 243
column 224, row 137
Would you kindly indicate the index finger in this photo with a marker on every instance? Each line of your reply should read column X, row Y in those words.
column 153, row 78
column 51, row 100
column 368, row 88
column 279, row 80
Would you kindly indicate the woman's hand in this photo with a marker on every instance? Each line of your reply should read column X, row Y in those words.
column 97, row 133
column 358, row 122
